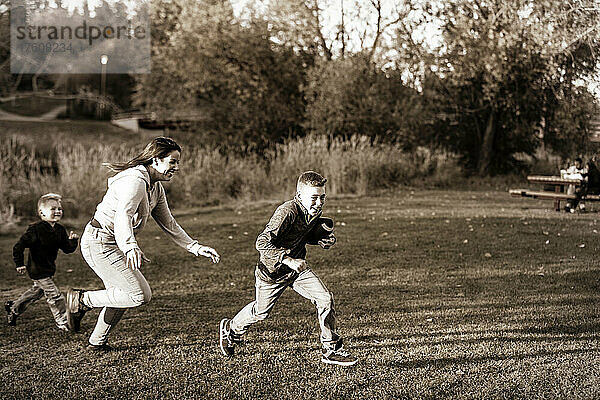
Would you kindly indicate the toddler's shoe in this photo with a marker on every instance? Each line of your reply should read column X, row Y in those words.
column 11, row 317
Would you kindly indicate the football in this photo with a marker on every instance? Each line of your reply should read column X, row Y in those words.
column 323, row 228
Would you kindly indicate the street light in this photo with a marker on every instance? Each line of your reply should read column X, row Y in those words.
column 68, row 90
column 103, row 61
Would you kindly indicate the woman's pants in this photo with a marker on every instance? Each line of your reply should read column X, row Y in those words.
column 124, row 287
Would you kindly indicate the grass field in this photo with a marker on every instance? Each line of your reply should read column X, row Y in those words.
column 47, row 134
column 31, row 106
column 442, row 294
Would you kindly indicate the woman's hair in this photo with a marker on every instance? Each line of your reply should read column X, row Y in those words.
column 159, row 147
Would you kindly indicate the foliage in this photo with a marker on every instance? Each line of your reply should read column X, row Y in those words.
column 5, row 77
column 356, row 165
column 500, row 71
column 353, row 96
column 245, row 88
column 569, row 123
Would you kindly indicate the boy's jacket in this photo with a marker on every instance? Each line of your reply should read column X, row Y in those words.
column 287, row 234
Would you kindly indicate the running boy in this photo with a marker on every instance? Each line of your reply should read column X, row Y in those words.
column 43, row 239
column 282, row 264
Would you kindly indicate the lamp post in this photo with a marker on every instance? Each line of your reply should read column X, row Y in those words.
column 68, row 90
column 103, row 61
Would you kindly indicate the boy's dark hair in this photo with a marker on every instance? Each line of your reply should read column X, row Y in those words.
column 311, row 178
column 578, row 159
column 47, row 197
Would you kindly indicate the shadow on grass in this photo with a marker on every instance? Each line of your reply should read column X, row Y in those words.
column 447, row 361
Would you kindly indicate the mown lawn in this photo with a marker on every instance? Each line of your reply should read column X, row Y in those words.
column 442, row 294
column 48, row 134
column 31, row 106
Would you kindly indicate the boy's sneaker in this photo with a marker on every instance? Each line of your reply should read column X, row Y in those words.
column 75, row 309
column 11, row 317
column 227, row 339
column 63, row 327
column 338, row 356
column 98, row 348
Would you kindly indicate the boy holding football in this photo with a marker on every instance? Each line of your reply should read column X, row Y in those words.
column 282, row 264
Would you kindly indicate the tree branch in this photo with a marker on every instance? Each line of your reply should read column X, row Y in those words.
column 315, row 13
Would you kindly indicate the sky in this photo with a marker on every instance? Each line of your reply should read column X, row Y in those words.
column 331, row 16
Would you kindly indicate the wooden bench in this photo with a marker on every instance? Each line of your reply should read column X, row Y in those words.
column 558, row 194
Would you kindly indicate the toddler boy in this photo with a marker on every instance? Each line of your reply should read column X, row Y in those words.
column 43, row 239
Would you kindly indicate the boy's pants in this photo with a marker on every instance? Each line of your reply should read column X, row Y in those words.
column 307, row 285
column 125, row 288
column 55, row 299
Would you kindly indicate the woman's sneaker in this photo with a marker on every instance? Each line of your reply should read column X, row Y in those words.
column 338, row 356
column 75, row 309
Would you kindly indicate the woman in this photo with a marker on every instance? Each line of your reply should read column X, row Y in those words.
column 108, row 243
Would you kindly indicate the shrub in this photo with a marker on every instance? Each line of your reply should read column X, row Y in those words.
column 356, row 165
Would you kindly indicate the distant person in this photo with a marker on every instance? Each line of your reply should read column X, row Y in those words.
column 109, row 245
column 43, row 239
column 590, row 184
column 575, row 171
column 593, row 176
column 282, row 264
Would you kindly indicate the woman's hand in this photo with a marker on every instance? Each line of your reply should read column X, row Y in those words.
column 135, row 257
column 198, row 250
column 210, row 253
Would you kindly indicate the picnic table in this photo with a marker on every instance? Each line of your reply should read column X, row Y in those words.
column 557, row 193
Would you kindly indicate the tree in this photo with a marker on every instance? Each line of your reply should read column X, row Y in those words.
column 347, row 91
column 498, row 70
column 245, row 87
column 5, row 76
column 353, row 96
column 333, row 28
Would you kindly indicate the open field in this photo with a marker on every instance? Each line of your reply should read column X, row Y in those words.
column 441, row 294
column 49, row 133
column 31, row 106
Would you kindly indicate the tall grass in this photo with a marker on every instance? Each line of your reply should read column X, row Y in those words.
column 357, row 165
column 353, row 166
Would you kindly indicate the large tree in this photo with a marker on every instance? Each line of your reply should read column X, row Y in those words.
column 499, row 71
column 209, row 65
column 354, row 96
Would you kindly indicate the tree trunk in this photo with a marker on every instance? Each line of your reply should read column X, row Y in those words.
column 487, row 145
